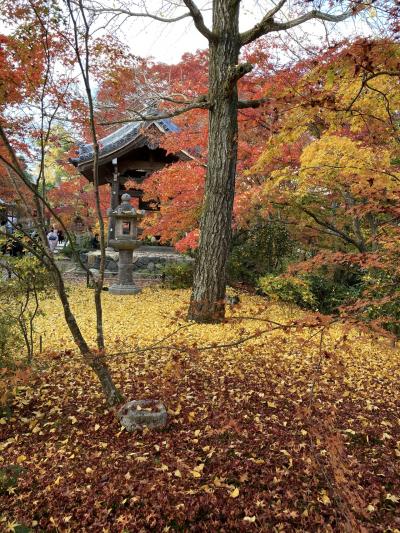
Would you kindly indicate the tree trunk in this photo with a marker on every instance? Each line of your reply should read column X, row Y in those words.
column 95, row 361
column 208, row 294
column 100, row 368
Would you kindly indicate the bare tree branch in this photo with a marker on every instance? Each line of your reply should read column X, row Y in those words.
column 234, row 75
column 367, row 79
column 268, row 25
column 244, row 104
column 129, row 13
column 326, row 224
column 83, row 59
column 247, row 36
column 201, row 103
column 198, row 20
column 197, row 104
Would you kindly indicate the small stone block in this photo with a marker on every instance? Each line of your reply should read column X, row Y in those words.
column 138, row 414
column 124, row 289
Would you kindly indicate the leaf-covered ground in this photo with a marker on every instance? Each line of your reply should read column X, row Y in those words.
column 287, row 431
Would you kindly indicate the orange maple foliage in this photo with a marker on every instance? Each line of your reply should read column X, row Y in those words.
column 74, row 200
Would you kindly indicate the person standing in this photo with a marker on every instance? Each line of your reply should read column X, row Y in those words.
column 94, row 242
column 52, row 239
column 60, row 235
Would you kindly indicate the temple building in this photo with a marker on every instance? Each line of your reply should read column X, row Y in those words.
column 132, row 153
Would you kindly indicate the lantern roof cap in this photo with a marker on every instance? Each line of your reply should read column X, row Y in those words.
column 125, row 209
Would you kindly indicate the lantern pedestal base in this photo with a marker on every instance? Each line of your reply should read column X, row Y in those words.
column 124, row 289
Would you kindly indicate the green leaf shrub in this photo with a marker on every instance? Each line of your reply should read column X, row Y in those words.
column 264, row 248
column 288, row 289
column 178, row 275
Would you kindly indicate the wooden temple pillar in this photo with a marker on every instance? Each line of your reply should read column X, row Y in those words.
column 114, row 200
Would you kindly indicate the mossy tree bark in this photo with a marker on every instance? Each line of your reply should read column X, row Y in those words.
column 208, row 295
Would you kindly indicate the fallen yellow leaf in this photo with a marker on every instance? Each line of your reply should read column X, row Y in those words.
column 324, row 499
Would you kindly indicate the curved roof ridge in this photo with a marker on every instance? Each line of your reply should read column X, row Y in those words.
column 121, row 137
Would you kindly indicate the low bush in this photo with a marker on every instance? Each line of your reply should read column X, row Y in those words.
column 382, row 293
column 262, row 249
column 331, row 290
column 324, row 290
column 20, row 301
column 178, row 275
column 288, row 289
column 11, row 339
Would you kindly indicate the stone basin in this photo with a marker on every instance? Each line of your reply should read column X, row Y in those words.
column 138, row 414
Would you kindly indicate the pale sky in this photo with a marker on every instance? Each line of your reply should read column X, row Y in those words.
column 167, row 42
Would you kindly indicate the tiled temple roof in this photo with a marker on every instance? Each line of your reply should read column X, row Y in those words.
column 120, row 138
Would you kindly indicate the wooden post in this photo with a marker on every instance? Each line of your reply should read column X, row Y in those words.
column 114, row 200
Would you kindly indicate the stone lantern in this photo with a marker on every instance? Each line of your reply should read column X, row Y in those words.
column 125, row 241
